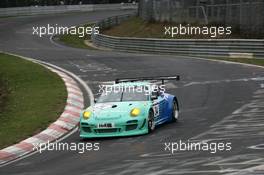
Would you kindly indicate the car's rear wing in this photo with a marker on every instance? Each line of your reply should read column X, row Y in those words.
column 159, row 78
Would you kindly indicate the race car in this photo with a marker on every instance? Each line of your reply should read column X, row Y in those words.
column 133, row 106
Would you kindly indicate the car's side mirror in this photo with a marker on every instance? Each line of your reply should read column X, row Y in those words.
column 154, row 97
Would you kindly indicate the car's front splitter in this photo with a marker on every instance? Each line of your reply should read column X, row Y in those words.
column 124, row 129
column 117, row 134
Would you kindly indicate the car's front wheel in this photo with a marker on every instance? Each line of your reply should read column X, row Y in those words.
column 175, row 112
column 151, row 122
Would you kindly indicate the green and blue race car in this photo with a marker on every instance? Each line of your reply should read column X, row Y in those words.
column 133, row 106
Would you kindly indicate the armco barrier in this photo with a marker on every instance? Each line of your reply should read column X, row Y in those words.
column 194, row 47
column 63, row 8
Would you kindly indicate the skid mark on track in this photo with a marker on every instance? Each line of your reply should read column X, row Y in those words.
column 168, row 85
column 245, row 124
column 92, row 67
column 174, row 85
column 247, row 121
column 257, row 79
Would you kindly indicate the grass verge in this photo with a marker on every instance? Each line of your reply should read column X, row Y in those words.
column 75, row 40
column 136, row 27
column 31, row 98
column 259, row 62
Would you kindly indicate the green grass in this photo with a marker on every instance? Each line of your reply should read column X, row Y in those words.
column 259, row 62
column 3, row 94
column 136, row 27
column 31, row 98
column 75, row 40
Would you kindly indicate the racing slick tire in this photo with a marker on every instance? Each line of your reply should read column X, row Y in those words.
column 151, row 122
column 175, row 112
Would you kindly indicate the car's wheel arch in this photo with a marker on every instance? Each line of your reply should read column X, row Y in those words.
column 150, row 110
column 147, row 119
column 176, row 101
column 171, row 100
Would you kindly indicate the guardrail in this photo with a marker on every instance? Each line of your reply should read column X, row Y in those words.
column 247, row 48
column 64, row 8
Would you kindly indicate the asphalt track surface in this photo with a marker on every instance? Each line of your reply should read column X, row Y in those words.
column 218, row 101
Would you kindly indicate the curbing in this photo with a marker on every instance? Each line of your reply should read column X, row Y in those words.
column 65, row 123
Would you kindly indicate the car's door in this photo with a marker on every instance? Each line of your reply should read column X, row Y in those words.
column 159, row 107
column 162, row 107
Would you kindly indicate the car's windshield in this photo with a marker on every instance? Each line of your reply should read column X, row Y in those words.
column 122, row 96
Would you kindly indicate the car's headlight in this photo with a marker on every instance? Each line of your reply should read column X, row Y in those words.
column 87, row 114
column 135, row 112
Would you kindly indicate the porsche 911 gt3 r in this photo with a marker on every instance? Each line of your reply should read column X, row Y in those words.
column 129, row 112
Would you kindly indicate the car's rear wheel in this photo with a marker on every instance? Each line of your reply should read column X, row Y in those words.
column 151, row 122
column 175, row 112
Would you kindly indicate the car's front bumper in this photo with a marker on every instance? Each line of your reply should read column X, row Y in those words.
column 128, row 128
